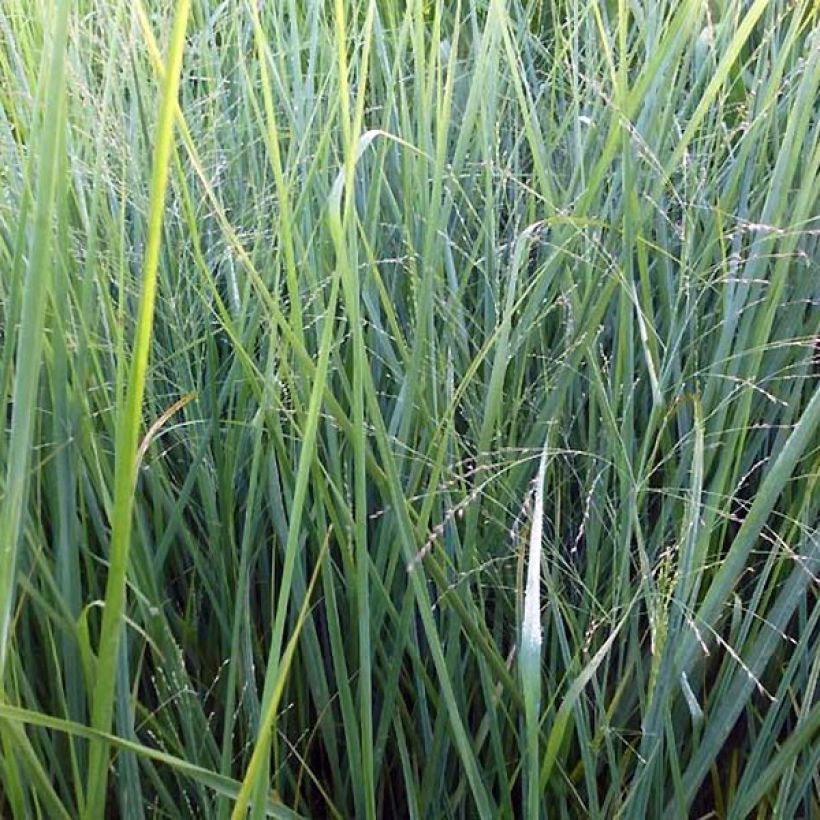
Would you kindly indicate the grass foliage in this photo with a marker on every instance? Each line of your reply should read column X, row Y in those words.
column 411, row 408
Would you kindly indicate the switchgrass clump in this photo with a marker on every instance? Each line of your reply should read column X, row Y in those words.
column 411, row 409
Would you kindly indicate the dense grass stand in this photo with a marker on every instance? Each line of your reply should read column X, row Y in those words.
column 411, row 408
